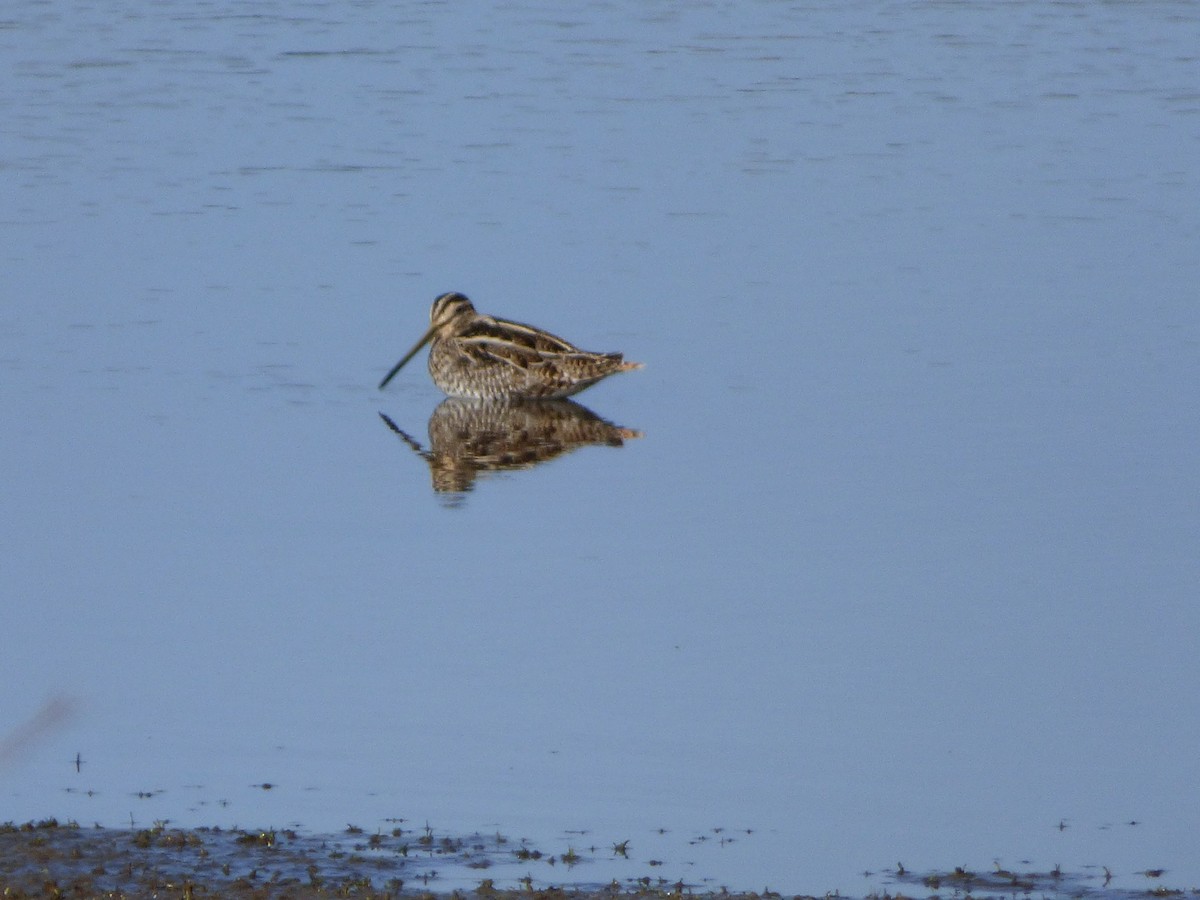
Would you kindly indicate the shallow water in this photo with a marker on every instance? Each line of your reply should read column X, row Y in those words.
column 902, row 568
column 284, row 863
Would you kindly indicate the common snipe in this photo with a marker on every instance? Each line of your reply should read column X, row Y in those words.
column 477, row 356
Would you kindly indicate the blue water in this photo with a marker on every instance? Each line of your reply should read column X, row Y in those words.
column 903, row 569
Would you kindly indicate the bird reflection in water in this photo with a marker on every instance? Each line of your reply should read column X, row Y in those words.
column 469, row 437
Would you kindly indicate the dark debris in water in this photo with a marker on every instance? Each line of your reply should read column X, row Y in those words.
column 1056, row 884
column 49, row 859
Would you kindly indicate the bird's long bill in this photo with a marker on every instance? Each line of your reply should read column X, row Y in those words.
column 407, row 356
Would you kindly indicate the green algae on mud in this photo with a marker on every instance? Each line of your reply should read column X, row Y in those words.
column 49, row 859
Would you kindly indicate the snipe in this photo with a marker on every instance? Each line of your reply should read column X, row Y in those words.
column 478, row 356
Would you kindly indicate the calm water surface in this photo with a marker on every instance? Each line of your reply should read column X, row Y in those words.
column 904, row 566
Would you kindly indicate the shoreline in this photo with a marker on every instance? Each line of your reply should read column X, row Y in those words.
column 53, row 859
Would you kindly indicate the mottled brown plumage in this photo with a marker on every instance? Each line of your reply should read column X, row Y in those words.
column 486, row 358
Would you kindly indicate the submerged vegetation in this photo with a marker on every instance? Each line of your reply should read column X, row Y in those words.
column 49, row 859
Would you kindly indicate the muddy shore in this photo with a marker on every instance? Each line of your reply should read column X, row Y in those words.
column 63, row 860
